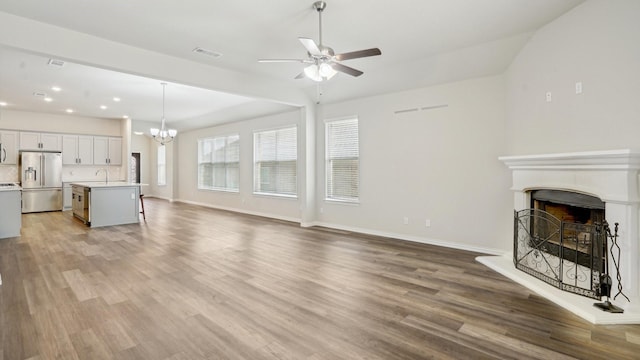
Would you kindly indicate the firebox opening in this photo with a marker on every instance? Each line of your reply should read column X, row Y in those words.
column 560, row 240
column 569, row 206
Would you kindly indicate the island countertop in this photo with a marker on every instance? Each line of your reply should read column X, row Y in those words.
column 102, row 184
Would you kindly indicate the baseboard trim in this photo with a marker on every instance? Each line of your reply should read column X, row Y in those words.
column 241, row 211
column 396, row 236
column 412, row 238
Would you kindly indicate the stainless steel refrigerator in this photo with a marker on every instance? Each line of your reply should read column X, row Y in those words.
column 41, row 174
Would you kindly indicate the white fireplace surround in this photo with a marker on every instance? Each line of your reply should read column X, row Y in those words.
column 611, row 175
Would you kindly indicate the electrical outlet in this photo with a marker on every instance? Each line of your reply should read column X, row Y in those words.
column 406, row 220
column 579, row 87
column 548, row 96
column 427, row 223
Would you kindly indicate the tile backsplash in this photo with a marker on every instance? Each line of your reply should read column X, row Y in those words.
column 9, row 173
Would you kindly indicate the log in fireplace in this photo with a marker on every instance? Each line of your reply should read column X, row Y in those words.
column 560, row 239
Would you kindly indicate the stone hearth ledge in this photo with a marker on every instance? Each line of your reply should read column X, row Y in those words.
column 579, row 305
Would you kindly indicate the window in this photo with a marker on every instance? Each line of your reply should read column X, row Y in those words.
column 342, row 155
column 218, row 163
column 162, row 165
column 275, row 161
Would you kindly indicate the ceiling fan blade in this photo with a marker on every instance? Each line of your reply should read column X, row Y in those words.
column 285, row 61
column 311, row 46
column 345, row 69
column 358, row 54
column 300, row 76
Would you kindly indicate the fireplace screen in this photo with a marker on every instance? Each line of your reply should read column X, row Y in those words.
column 566, row 254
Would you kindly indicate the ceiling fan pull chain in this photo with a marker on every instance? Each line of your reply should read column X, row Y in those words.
column 320, row 8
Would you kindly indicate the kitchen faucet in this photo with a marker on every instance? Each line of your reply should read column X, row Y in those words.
column 106, row 174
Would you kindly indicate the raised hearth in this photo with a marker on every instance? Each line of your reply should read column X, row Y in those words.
column 611, row 176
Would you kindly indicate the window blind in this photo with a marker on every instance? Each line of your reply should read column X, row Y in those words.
column 343, row 160
column 162, row 165
column 218, row 163
column 275, row 161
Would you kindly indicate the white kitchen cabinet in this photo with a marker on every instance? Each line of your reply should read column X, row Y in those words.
column 40, row 141
column 77, row 150
column 107, row 150
column 8, row 147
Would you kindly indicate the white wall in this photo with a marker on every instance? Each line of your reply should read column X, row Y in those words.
column 243, row 201
column 598, row 44
column 33, row 121
column 438, row 164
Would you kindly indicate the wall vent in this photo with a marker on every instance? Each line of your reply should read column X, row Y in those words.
column 423, row 108
column 434, row 107
column 405, row 111
column 206, row 52
column 56, row 62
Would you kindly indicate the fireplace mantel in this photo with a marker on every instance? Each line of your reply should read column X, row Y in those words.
column 611, row 175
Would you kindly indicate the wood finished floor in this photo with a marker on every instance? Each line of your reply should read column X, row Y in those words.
column 197, row 283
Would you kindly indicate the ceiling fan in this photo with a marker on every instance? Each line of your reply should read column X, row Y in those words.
column 324, row 63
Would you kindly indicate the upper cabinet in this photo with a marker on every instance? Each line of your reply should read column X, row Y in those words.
column 77, row 150
column 40, row 141
column 8, row 147
column 107, row 150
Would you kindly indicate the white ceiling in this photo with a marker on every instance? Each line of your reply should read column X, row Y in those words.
column 423, row 42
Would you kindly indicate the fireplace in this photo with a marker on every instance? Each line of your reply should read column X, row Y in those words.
column 575, row 193
column 581, row 216
column 561, row 240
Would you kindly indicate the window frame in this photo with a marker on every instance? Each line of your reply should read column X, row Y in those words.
column 161, row 176
column 213, row 187
column 327, row 160
column 257, row 191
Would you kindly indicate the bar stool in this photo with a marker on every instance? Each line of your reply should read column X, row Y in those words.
column 142, row 206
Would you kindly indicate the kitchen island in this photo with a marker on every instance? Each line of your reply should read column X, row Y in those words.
column 10, row 211
column 106, row 203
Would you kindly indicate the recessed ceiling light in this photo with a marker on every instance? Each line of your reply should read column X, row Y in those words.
column 2, row 103
column 138, row 133
column 125, row 116
column 103, row 107
column 56, row 88
column 69, row 111
column 48, row 99
column 116, row 99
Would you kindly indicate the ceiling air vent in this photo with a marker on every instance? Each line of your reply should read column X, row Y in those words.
column 56, row 62
column 206, row 52
column 39, row 94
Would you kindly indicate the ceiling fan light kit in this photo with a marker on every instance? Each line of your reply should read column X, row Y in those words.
column 324, row 63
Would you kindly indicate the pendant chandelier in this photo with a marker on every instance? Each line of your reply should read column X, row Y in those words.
column 163, row 135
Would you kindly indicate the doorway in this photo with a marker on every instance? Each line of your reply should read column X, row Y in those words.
column 134, row 172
